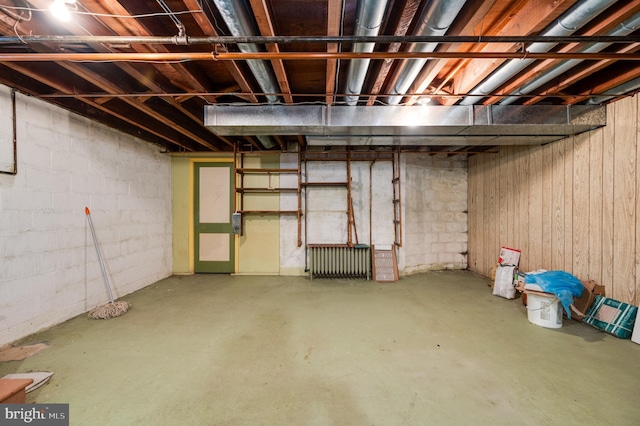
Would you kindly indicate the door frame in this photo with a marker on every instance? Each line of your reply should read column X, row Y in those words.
column 192, row 206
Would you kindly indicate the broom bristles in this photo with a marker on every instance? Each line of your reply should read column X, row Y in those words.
column 110, row 310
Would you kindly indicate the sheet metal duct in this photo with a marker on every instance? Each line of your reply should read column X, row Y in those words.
column 240, row 23
column 370, row 15
column 378, row 124
column 435, row 21
column 625, row 28
column 628, row 87
column 573, row 19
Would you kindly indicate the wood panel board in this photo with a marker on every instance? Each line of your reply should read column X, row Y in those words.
column 624, row 200
column 523, row 196
column 568, row 205
column 595, row 205
column 608, row 167
column 535, row 205
column 557, row 186
column 547, row 205
column 581, row 216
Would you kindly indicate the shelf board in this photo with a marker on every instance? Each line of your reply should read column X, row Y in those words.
column 265, row 190
column 245, row 170
column 324, row 184
column 268, row 211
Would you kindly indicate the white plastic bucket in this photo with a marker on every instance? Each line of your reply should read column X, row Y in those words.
column 545, row 311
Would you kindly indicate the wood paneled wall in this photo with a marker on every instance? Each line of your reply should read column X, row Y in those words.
column 572, row 205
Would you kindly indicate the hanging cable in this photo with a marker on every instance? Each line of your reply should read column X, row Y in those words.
column 174, row 18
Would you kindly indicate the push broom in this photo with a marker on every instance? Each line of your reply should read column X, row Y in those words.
column 111, row 309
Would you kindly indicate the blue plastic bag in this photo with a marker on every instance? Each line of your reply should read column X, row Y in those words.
column 564, row 285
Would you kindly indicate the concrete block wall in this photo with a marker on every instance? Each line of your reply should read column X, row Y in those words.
column 434, row 213
column 48, row 264
column 325, row 220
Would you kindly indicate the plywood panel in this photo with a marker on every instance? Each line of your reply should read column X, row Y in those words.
column 568, row 205
column 581, row 213
column 624, row 200
column 503, row 199
column 635, row 289
column 583, row 200
column 547, row 205
column 608, row 167
column 492, row 223
column 522, row 211
column 535, row 207
column 557, row 202
column 595, row 205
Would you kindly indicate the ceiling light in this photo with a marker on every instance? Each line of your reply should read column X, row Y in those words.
column 60, row 10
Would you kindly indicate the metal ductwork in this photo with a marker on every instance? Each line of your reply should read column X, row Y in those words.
column 435, row 21
column 408, row 125
column 240, row 22
column 625, row 28
column 370, row 15
column 573, row 19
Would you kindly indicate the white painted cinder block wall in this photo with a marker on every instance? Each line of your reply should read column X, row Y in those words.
column 434, row 210
column 48, row 264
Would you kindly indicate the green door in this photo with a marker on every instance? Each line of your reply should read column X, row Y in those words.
column 213, row 206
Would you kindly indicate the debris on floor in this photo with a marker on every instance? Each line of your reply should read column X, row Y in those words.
column 506, row 268
column 18, row 353
column 546, row 293
column 39, row 378
column 612, row 316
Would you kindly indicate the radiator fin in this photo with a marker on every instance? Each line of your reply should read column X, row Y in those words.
column 339, row 261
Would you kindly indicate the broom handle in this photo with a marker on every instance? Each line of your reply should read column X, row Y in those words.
column 95, row 243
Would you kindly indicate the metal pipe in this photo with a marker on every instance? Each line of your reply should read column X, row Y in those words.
column 240, row 56
column 623, row 29
column 629, row 86
column 174, row 18
column 382, row 39
column 576, row 17
column 370, row 16
column 238, row 18
column 435, row 21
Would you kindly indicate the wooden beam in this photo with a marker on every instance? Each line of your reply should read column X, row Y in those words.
column 334, row 13
column 261, row 12
column 63, row 87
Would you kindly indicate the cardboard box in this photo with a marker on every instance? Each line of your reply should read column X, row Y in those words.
column 582, row 304
column 612, row 316
column 509, row 256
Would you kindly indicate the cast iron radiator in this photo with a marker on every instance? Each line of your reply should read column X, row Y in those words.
column 339, row 261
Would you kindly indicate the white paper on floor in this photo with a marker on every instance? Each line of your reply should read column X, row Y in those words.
column 39, row 378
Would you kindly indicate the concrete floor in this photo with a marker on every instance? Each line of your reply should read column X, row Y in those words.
column 431, row 349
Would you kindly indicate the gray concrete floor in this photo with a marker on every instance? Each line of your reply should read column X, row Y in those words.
column 432, row 349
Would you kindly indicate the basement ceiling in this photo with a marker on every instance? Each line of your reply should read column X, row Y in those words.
column 472, row 74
